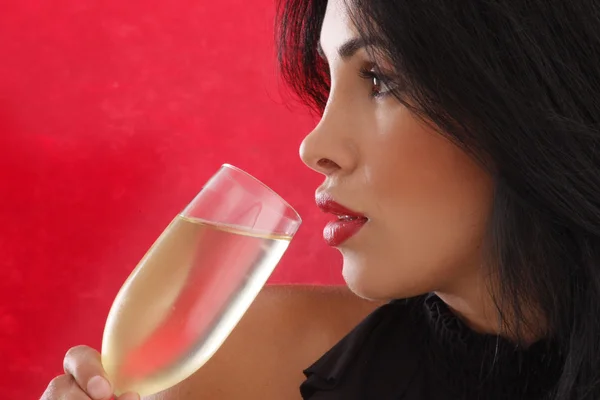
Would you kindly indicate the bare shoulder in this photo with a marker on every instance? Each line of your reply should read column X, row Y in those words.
column 285, row 330
column 315, row 317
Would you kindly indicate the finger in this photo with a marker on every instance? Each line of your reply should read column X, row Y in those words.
column 129, row 396
column 57, row 387
column 84, row 364
column 64, row 387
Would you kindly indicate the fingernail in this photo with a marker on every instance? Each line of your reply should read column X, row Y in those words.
column 129, row 396
column 99, row 388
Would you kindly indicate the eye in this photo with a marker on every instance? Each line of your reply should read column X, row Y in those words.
column 382, row 85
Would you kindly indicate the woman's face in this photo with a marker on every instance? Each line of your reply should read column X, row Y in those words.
column 427, row 201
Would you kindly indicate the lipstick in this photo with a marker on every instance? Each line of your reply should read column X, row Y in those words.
column 348, row 222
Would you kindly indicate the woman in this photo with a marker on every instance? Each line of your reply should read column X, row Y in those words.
column 460, row 141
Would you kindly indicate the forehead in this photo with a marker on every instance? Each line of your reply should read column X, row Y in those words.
column 337, row 26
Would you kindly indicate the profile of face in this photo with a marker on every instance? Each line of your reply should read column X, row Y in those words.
column 427, row 201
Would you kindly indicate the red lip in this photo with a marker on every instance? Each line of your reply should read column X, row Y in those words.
column 337, row 232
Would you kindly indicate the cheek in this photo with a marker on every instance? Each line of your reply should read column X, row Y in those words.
column 413, row 169
column 438, row 181
column 431, row 204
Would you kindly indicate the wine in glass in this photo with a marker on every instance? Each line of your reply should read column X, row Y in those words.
column 195, row 283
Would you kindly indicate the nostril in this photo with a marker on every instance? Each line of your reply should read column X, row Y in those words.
column 327, row 164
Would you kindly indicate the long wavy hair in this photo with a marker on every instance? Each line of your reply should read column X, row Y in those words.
column 516, row 84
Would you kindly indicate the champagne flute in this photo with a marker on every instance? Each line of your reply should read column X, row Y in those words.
column 195, row 283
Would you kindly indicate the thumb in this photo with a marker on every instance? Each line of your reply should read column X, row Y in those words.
column 83, row 363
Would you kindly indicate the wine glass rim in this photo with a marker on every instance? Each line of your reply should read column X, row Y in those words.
column 233, row 167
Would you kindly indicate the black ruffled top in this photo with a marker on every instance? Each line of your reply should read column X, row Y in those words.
column 417, row 349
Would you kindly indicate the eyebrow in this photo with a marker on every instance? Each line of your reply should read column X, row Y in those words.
column 349, row 48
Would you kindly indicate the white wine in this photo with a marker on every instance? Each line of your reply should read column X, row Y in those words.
column 183, row 300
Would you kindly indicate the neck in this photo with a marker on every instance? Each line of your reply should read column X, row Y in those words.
column 477, row 312
column 474, row 304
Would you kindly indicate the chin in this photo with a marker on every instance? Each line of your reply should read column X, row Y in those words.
column 364, row 283
column 373, row 281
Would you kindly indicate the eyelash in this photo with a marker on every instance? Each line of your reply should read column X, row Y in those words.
column 377, row 79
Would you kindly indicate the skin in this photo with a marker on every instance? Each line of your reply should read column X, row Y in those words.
column 427, row 201
column 427, row 204
column 285, row 330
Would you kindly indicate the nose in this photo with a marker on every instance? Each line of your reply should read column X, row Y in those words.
column 329, row 148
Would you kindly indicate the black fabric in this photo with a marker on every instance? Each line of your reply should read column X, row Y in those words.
column 418, row 349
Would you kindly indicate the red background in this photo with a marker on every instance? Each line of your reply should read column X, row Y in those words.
column 112, row 115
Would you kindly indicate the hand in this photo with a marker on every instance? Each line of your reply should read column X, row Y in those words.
column 84, row 379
